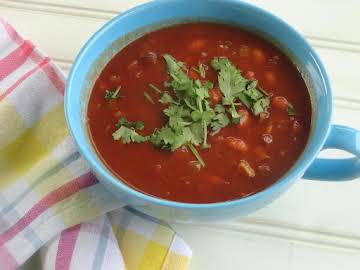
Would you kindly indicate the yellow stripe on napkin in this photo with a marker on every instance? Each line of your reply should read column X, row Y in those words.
column 33, row 145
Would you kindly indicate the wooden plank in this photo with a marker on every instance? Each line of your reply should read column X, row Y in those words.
column 320, row 25
column 63, row 48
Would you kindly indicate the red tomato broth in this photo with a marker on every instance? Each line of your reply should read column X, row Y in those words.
column 173, row 176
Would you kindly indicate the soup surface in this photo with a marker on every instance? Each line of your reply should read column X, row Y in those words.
column 235, row 145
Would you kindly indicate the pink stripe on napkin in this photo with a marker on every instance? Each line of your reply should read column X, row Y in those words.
column 66, row 248
column 7, row 262
column 24, row 77
column 52, row 198
column 15, row 59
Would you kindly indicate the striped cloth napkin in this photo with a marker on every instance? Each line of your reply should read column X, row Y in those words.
column 47, row 190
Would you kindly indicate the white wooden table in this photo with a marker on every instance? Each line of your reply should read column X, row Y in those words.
column 316, row 225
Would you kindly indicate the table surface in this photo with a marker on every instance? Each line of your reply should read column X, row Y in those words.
column 315, row 225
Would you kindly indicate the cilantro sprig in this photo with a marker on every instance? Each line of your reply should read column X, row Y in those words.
column 113, row 94
column 127, row 131
column 235, row 87
column 200, row 70
column 189, row 114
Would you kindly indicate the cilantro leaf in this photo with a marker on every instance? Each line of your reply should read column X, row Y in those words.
column 128, row 135
column 137, row 125
column 220, row 120
column 234, row 86
column 126, row 131
column 261, row 105
column 181, row 83
column 189, row 112
column 167, row 99
column 112, row 94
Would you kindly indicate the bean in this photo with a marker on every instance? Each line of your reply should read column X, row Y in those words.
column 148, row 57
column 250, row 75
column 197, row 44
column 236, row 144
column 244, row 118
column 258, row 56
column 267, row 138
column 280, row 103
column 246, row 169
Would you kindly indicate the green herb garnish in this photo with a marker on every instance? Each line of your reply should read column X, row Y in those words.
column 201, row 70
column 234, row 86
column 149, row 98
column 113, row 94
column 189, row 112
column 197, row 155
column 127, row 131
column 167, row 99
column 291, row 110
column 189, row 116
column 153, row 87
column 137, row 125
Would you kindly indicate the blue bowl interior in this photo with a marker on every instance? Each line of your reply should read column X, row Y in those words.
column 134, row 23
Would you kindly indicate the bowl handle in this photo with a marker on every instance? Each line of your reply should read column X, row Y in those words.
column 343, row 138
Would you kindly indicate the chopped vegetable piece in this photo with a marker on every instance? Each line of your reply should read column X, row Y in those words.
column 201, row 70
column 153, row 87
column 220, row 120
column 280, row 103
column 149, row 98
column 236, row 144
column 197, row 155
column 245, row 167
column 167, row 99
column 291, row 110
column 234, row 86
column 137, row 125
column 113, row 94
column 189, row 115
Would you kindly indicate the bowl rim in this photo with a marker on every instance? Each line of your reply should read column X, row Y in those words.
column 291, row 175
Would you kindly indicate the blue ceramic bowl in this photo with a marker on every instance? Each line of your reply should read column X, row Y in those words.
column 135, row 22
